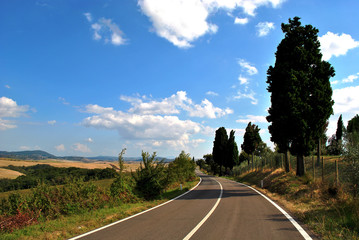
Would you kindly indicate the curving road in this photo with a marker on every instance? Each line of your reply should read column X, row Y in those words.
column 216, row 209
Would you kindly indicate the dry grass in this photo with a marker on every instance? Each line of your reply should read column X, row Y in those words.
column 6, row 173
column 4, row 162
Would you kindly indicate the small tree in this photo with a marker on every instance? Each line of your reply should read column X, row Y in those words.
column 251, row 140
column 121, row 160
column 182, row 169
column 150, row 177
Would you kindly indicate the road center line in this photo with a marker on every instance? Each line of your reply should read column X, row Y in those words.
column 194, row 230
column 137, row 214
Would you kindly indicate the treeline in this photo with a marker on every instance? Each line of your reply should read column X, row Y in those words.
column 51, row 176
column 76, row 196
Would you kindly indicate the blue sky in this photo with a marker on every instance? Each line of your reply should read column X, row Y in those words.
column 89, row 78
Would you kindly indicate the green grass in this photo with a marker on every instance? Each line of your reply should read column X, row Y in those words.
column 329, row 215
column 69, row 226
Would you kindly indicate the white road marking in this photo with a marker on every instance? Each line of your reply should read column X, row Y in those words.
column 296, row 225
column 194, row 230
column 122, row 220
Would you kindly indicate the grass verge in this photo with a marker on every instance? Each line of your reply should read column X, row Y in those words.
column 329, row 211
column 73, row 225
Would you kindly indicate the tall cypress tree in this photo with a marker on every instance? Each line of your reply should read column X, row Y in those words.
column 340, row 127
column 251, row 140
column 220, row 148
column 301, row 94
column 232, row 151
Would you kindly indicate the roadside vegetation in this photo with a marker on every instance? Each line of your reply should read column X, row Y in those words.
column 79, row 198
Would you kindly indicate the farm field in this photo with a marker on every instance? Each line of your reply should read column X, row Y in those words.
column 5, row 173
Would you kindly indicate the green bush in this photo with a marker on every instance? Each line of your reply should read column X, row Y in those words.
column 150, row 177
column 121, row 189
column 182, row 168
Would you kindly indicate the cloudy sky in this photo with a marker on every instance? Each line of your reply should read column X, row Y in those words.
column 89, row 78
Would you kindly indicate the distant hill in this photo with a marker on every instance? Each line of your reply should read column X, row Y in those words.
column 35, row 155
column 39, row 155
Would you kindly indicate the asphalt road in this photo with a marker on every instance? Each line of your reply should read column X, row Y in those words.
column 208, row 212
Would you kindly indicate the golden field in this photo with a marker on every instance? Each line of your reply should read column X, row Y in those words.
column 5, row 173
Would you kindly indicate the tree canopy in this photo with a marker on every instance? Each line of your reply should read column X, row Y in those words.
column 251, row 139
column 301, row 95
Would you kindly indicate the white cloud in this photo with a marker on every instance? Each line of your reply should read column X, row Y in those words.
column 243, row 80
column 10, row 109
column 174, row 104
column 107, row 30
column 52, row 122
column 78, row 147
column 182, row 22
column 6, row 124
column 263, row 28
column 253, row 119
column 210, row 93
column 24, row 148
column 245, row 95
column 135, row 126
column 7, row 86
column 241, row 21
column 346, row 100
column 60, row 148
column 206, row 109
column 350, row 78
column 334, row 82
column 88, row 16
column 336, row 45
column 246, row 66
column 90, row 140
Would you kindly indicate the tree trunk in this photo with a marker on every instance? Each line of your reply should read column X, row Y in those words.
column 300, row 165
column 286, row 161
column 318, row 152
column 252, row 160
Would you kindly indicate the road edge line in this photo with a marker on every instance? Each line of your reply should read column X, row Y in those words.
column 304, row 234
column 195, row 229
column 135, row 215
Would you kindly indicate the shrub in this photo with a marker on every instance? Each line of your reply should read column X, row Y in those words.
column 182, row 168
column 150, row 177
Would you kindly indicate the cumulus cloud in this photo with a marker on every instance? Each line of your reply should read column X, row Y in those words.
column 174, row 105
column 253, row 119
column 154, row 123
column 243, row 80
column 107, row 30
column 263, row 28
column 241, row 21
column 79, row 147
column 346, row 100
column 182, row 22
column 135, row 126
column 60, row 148
column 350, row 78
column 210, row 93
column 247, row 67
column 246, row 95
column 90, row 140
column 336, row 45
column 7, row 86
column 10, row 109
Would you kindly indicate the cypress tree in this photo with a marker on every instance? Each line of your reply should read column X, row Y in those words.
column 301, row 94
